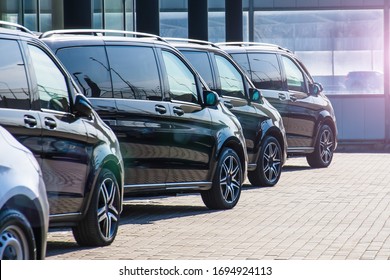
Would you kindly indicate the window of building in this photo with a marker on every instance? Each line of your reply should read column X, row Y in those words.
column 333, row 44
column 14, row 91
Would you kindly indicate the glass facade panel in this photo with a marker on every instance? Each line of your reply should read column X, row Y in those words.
column 174, row 24
column 30, row 14
column 113, row 14
column 332, row 44
column 217, row 26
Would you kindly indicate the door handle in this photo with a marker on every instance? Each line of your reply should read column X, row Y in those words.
column 282, row 96
column 30, row 121
column 178, row 111
column 160, row 109
column 228, row 104
column 50, row 123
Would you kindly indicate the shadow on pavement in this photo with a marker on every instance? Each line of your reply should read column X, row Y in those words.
column 148, row 213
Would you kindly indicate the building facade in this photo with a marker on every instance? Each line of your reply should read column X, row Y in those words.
column 343, row 43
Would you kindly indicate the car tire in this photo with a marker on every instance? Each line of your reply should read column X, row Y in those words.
column 17, row 240
column 100, row 225
column 269, row 164
column 226, row 187
column 323, row 150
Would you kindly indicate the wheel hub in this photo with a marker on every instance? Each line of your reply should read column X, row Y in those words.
column 10, row 248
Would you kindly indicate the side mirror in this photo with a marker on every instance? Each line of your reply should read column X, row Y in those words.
column 82, row 107
column 210, row 98
column 255, row 95
column 315, row 89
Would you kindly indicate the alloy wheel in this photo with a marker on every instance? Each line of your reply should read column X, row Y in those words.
column 230, row 179
column 107, row 211
column 326, row 146
column 272, row 162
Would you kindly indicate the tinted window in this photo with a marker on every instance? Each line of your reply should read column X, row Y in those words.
column 295, row 80
column 201, row 62
column 265, row 71
column 231, row 80
column 52, row 88
column 89, row 67
column 181, row 81
column 13, row 82
column 242, row 60
column 134, row 72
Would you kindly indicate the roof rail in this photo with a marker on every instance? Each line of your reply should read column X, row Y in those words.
column 98, row 32
column 16, row 26
column 243, row 44
column 200, row 42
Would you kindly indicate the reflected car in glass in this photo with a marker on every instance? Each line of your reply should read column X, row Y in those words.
column 308, row 115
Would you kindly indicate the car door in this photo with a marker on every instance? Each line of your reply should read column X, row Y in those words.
column 65, row 149
column 191, row 136
column 302, row 112
column 16, row 114
column 142, row 121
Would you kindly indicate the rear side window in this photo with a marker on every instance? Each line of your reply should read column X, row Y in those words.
column 295, row 78
column 201, row 62
column 89, row 68
column 265, row 71
column 231, row 80
column 134, row 72
column 13, row 81
column 51, row 83
column 181, row 81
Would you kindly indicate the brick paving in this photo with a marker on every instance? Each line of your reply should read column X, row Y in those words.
column 341, row 212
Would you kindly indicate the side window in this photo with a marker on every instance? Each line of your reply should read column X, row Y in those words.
column 265, row 72
column 232, row 83
column 201, row 62
column 295, row 78
column 89, row 67
column 181, row 81
column 134, row 72
column 14, row 91
column 242, row 60
column 52, row 87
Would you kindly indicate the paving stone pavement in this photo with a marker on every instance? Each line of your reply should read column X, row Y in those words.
column 341, row 212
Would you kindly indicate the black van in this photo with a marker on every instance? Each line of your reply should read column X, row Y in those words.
column 79, row 155
column 174, row 134
column 261, row 122
column 307, row 113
